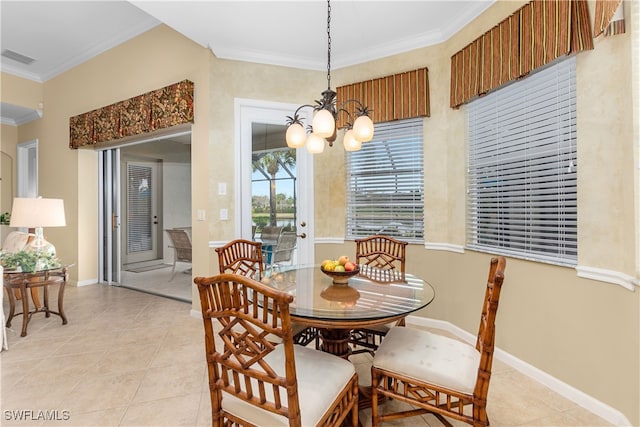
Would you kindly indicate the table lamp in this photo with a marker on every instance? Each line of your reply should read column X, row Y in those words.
column 38, row 213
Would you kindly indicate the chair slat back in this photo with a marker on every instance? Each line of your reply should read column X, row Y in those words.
column 285, row 247
column 181, row 242
column 381, row 252
column 487, row 332
column 239, row 367
column 240, row 257
column 270, row 232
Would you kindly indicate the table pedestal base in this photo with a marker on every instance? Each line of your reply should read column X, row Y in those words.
column 336, row 341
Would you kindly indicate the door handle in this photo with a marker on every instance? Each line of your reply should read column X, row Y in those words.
column 302, row 236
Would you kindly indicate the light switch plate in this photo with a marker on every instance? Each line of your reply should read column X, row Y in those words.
column 224, row 214
column 201, row 215
column 222, row 188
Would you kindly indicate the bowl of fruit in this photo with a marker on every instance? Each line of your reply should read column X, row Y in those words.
column 340, row 270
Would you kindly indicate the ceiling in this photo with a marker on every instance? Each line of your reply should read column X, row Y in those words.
column 59, row 35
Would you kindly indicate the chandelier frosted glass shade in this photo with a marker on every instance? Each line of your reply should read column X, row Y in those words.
column 296, row 136
column 315, row 143
column 363, row 129
column 323, row 123
column 350, row 142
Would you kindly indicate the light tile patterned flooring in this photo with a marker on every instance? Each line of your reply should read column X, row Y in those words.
column 128, row 358
column 159, row 281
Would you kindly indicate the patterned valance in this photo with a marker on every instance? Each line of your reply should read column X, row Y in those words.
column 609, row 18
column 533, row 36
column 399, row 96
column 159, row 109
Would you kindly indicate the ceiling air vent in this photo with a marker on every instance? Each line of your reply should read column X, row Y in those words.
column 17, row 57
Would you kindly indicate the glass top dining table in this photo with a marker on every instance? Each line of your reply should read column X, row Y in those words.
column 371, row 297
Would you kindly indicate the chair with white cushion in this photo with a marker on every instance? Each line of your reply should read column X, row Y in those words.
column 438, row 374
column 389, row 255
column 255, row 381
column 244, row 257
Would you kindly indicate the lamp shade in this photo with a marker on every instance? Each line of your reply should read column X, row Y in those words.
column 363, row 129
column 350, row 142
column 37, row 212
column 315, row 143
column 296, row 136
column 323, row 124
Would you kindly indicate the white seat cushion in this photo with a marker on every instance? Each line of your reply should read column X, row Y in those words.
column 429, row 357
column 321, row 377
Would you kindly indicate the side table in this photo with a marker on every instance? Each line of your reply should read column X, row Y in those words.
column 30, row 280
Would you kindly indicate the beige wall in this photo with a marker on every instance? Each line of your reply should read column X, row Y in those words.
column 153, row 60
column 22, row 92
column 583, row 332
column 8, row 146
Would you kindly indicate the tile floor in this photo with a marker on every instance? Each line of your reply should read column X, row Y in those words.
column 159, row 281
column 128, row 358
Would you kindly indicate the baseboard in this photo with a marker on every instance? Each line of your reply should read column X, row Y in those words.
column 580, row 398
column 589, row 403
column 87, row 282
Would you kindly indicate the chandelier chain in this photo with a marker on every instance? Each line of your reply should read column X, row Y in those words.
column 358, row 125
column 328, row 44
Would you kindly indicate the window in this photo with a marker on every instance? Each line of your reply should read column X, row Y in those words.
column 521, row 179
column 385, row 183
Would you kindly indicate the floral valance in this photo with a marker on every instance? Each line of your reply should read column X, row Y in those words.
column 399, row 96
column 536, row 34
column 159, row 109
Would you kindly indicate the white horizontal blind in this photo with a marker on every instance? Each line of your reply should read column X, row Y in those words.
column 522, row 198
column 139, row 209
column 385, row 183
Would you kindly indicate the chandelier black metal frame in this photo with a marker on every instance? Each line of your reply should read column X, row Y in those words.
column 326, row 113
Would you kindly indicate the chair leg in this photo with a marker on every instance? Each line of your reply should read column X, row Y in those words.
column 374, row 400
column 173, row 270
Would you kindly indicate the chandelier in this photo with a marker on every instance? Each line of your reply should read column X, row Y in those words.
column 326, row 110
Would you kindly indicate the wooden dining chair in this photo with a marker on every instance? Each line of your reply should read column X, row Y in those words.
column 436, row 373
column 254, row 381
column 240, row 257
column 244, row 257
column 386, row 253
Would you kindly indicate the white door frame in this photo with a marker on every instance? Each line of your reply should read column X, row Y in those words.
column 27, row 169
column 248, row 111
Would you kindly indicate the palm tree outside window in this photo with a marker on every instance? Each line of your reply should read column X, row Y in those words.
column 274, row 188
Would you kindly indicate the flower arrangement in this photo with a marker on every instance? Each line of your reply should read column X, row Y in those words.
column 28, row 261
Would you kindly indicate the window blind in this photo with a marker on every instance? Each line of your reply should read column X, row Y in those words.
column 139, row 209
column 385, row 183
column 521, row 177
